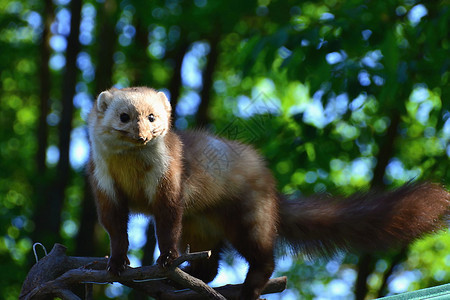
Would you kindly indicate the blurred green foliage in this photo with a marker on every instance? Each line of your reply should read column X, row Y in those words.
column 315, row 86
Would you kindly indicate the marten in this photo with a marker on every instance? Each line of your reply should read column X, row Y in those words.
column 209, row 192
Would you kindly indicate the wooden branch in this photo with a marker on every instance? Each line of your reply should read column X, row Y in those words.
column 56, row 274
column 230, row 291
column 54, row 265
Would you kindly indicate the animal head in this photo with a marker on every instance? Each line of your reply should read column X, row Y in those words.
column 132, row 116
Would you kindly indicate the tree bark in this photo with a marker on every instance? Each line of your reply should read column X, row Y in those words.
column 202, row 117
column 56, row 274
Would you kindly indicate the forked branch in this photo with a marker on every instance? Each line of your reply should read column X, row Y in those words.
column 57, row 275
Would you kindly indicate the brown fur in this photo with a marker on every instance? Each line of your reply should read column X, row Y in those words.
column 370, row 222
column 207, row 192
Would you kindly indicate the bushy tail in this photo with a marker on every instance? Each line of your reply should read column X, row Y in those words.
column 322, row 225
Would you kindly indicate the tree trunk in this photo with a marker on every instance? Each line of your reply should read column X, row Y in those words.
column 48, row 221
column 107, row 46
column 386, row 150
column 44, row 95
column 175, row 82
column 202, row 117
column 41, row 198
column 85, row 240
column 41, row 181
column 65, row 125
column 396, row 260
column 138, row 58
column 366, row 263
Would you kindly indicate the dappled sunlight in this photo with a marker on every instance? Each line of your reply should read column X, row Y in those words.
column 337, row 96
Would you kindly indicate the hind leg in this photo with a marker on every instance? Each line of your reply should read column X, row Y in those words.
column 261, row 265
column 254, row 239
column 257, row 239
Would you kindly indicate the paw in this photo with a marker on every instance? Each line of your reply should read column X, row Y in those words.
column 166, row 258
column 117, row 265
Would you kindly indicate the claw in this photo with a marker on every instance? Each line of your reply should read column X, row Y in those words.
column 116, row 265
column 166, row 259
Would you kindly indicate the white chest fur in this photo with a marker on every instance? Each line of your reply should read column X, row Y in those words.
column 135, row 172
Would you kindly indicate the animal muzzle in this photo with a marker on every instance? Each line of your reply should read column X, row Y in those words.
column 142, row 133
column 142, row 140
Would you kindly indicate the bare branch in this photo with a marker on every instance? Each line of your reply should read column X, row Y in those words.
column 230, row 291
column 57, row 274
column 193, row 283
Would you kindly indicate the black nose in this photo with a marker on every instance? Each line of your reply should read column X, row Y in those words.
column 142, row 139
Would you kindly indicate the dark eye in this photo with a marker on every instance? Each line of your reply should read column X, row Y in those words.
column 124, row 118
column 151, row 118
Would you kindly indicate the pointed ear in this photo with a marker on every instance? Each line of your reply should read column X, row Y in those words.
column 165, row 101
column 103, row 100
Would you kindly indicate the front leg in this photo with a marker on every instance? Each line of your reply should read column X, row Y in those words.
column 113, row 215
column 168, row 215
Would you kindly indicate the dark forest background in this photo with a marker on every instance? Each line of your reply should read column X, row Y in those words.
column 339, row 96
